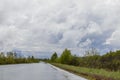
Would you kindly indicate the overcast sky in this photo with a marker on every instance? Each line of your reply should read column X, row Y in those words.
column 53, row 25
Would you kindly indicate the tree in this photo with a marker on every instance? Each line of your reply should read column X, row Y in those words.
column 91, row 52
column 2, row 58
column 10, row 58
column 74, row 60
column 66, row 57
column 54, row 57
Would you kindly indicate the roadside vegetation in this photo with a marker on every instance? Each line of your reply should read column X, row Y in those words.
column 98, row 67
column 14, row 58
column 90, row 73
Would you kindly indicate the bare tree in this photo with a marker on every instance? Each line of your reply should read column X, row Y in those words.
column 91, row 52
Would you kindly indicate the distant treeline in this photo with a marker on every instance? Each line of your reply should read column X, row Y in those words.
column 91, row 59
column 14, row 58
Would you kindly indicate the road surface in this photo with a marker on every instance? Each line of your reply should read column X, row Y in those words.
column 36, row 71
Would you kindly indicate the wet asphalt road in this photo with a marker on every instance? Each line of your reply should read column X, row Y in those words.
column 36, row 71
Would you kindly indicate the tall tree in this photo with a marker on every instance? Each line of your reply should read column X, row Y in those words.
column 66, row 57
column 54, row 57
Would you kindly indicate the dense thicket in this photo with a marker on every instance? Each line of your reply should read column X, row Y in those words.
column 14, row 58
column 108, row 61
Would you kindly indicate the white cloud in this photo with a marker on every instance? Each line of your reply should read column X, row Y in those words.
column 47, row 26
column 114, row 39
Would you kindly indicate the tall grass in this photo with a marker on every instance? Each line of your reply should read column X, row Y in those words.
column 96, row 74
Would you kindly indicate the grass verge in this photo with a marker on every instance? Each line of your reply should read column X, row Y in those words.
column 91, row 74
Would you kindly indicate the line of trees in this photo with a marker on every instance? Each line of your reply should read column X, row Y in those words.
column 92, row 59
column 14, row 58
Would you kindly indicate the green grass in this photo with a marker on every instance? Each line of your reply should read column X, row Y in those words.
column 92, row 74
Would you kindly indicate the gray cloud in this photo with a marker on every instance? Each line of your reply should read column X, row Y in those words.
column 47, row 26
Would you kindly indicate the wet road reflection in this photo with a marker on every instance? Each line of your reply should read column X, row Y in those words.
column 36, row 71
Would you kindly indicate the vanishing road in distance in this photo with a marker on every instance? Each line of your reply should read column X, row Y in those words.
column 36, row 71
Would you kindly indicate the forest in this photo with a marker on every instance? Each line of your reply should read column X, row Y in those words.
column 14, row 58
column 92, row 59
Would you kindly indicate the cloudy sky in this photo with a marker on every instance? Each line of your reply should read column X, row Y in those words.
column 53, row 25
